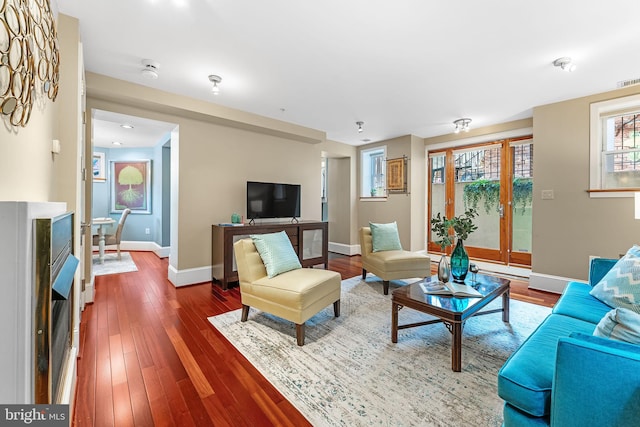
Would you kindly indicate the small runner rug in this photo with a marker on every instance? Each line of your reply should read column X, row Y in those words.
column 349, row 373
column 112, row 265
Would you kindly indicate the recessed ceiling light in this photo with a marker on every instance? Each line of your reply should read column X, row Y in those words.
column 116, row 143
column 125, row 126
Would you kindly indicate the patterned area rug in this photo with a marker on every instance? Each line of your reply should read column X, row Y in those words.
column 112, row 265
column 349, row 373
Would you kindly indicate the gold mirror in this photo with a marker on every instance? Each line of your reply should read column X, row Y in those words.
column 28, row 52
column 9, row 105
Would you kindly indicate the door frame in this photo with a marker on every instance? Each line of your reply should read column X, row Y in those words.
column 503, row 255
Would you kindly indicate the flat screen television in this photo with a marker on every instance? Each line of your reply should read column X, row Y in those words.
column 272, row 200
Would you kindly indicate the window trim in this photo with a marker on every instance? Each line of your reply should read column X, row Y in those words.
column 599, row 110
column 366, row 154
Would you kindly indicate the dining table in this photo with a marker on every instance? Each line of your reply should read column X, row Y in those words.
column 102, row 223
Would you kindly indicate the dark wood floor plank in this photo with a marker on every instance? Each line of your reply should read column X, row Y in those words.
column 104, row 388
column 137, row 391
column 158, row 402
column 149, row 356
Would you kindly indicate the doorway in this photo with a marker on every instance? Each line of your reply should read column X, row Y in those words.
column 495, row 179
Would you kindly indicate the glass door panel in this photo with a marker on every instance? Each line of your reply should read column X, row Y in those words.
column 438, row 193
column 521, row 203
column 477, row 177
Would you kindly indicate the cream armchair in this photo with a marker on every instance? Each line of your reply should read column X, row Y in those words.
column 392, row 264
column 296, row 295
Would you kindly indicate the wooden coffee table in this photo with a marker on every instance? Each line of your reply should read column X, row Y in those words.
column 453, row 312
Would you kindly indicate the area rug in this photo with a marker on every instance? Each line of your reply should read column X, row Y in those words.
column 349, row 373
column 112, row 265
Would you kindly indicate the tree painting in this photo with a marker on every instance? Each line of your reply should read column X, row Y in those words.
column 130, row 185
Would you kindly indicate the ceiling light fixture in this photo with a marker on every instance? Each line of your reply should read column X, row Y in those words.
column 360, row 126
column 215, row 80
column 126, row 126
column 461, row 125
column 150, row 69
column 565, row 63
column 116, row 142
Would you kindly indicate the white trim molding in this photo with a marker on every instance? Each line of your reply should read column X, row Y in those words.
column 549, row 283
column 189, row 276
column 490, row 267
column 341, row 248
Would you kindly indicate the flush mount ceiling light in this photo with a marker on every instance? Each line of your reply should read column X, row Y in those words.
column 359, row 124
column 116, row 142
column 565, row 63
column 150, row 69
column 461, row 125
column 126, row 126
column 215, row 80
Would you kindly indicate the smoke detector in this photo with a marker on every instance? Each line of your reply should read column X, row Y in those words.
column 150, row 69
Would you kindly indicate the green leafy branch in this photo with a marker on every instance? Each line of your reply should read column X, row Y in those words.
column 462, row 226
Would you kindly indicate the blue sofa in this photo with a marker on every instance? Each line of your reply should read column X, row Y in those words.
column 562, row 375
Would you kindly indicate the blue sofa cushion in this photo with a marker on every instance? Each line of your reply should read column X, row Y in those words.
column 524, row 381
column 514, row 417
column 577, row 302
column 598, row 268
column 596, row 382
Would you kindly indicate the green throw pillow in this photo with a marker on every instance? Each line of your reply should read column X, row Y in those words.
column 620, row 287
column 620, row 324
column 276, row 252
column 385, row 237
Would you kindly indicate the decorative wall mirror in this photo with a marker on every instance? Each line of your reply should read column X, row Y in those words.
column 29, row 57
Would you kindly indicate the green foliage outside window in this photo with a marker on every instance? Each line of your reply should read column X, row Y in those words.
column 488, row 191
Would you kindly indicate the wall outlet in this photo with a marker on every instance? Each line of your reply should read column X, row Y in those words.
column 547, row 194
column 147, row 231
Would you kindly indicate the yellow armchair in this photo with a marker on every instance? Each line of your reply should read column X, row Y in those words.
column 393, row 264
column 296, row 295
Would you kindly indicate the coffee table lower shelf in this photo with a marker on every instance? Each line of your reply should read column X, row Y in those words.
column 413, row 297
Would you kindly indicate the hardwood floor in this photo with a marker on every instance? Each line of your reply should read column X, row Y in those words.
column 149, row 356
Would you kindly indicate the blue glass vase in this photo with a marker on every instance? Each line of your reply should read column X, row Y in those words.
column 459, row 263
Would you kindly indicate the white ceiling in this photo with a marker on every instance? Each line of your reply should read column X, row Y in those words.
column 402, row 67
column 107, row 129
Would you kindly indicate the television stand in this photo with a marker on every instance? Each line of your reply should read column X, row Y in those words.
column 310, row 240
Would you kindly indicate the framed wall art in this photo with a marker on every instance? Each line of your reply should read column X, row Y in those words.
column 99, row 167
column 397, row 175
column 131, row 186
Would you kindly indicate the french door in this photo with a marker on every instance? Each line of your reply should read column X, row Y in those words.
column 495, row 179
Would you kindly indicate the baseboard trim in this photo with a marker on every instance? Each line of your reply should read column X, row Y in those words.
column 494, row 268
column 343, row 249
column 549, row 283
column 189, row 276
column 89, row 290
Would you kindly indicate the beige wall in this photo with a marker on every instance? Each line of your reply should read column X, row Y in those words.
column 218, row 153
column 573, row 226
column 417, row 189
column 342, row 214
column 26, row 162
column 406, row 209
column 339, row 200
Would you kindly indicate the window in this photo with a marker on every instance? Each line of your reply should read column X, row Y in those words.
column 615, row 147
column 373, row 169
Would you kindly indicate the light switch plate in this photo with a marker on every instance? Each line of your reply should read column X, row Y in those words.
column 547, row 194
